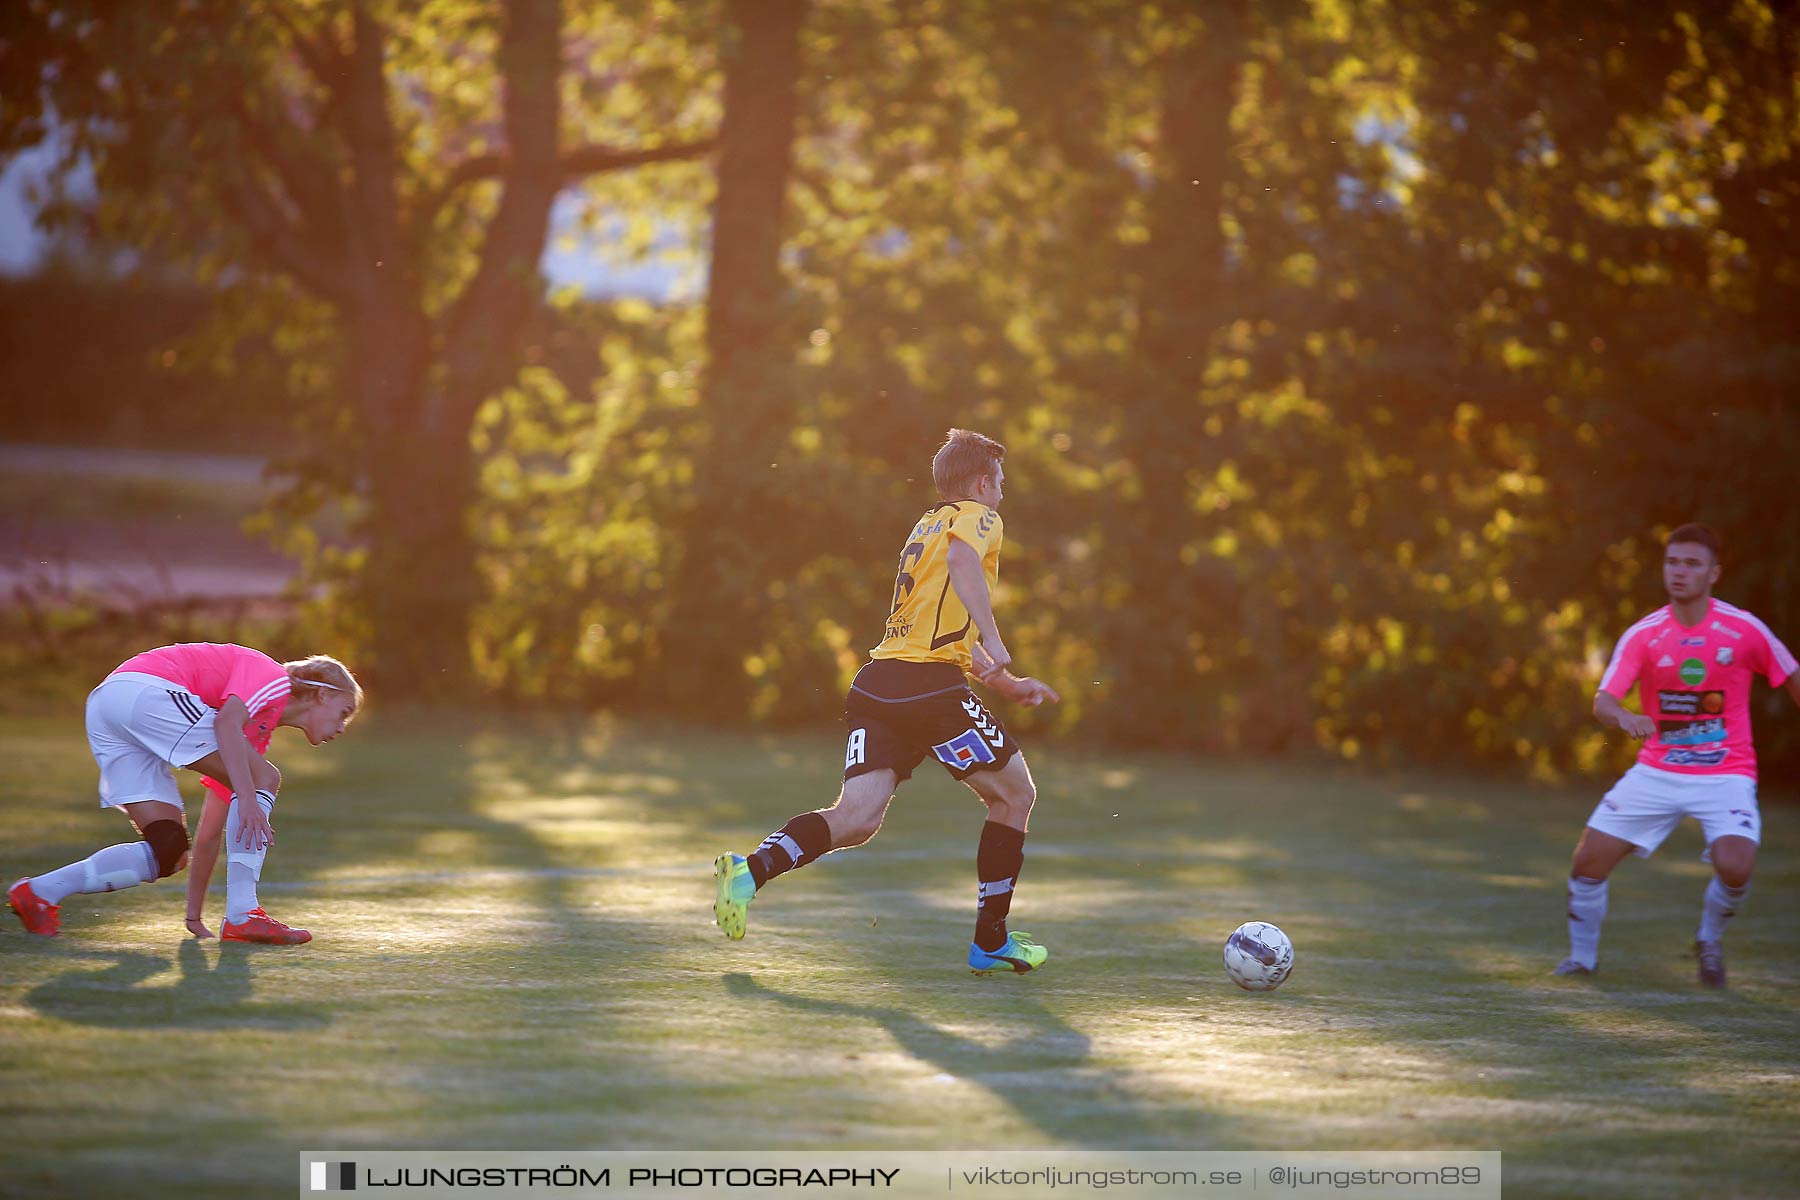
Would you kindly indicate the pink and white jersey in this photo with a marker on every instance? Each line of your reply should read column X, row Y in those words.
column 216, row 670
column 1694, row 682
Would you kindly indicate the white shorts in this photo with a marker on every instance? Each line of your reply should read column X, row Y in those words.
column 140, row 726
column 1646, row 805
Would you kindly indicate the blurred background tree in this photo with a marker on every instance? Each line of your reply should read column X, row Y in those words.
column 371, row 186
column 1352, row 356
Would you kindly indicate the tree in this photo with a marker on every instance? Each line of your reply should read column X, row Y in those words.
column 737, row 533
column 377, row 181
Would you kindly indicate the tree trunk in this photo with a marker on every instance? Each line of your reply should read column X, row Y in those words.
column 421, row 584
column 741, row 491
column 419, row 581
column 1181, row 302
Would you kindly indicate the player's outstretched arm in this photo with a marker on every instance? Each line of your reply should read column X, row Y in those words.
column 205, row 856
column 1610, row 713
column 1019, row 689
column 235, row 752
column 1023, row 689
column 989, row 655
column 966, row 577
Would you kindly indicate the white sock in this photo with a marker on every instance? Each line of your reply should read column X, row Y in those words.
column 110, row 870
column 1587, row 910
column 243, row 866
column 1719, row 905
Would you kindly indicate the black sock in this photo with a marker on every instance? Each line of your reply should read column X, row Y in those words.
column 998, row 860
column 801, row 840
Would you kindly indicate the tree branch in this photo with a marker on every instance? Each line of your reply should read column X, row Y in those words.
column 500, row 297
column 280, row 245
column 572, row 165
column 818, row 185
column 310, row 186
column 321, row 54
column 374, row 159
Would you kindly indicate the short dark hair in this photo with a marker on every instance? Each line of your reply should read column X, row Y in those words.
column 1695, row 534
column 964, row 457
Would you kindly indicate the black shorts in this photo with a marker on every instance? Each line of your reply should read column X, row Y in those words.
column 898, row 712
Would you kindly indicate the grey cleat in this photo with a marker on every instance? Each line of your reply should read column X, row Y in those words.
column 1712, row 963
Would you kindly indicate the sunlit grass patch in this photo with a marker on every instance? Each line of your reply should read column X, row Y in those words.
column 514, row 949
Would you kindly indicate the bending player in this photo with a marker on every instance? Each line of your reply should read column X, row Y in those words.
column 210, row 708
column 1693, row 661
column 913, row 699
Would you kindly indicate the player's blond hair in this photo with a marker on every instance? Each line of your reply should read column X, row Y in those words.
column 320, row 675
column 964, row 457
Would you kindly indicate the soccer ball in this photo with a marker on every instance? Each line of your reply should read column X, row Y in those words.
column 1258, row 956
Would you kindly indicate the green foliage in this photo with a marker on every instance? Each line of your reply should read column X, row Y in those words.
column 577, row 483
column 1352, row 356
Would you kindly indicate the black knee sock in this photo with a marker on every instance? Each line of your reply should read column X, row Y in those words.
column 801, row 840
column 998, row 860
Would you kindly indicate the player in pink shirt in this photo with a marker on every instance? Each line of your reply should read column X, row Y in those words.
column 1693, row 663
column 210, row 708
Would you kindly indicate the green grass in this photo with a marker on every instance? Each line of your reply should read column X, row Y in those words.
column 514, row 950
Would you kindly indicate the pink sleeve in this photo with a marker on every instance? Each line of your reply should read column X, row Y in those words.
column 1622, row 671
column 1778, row 662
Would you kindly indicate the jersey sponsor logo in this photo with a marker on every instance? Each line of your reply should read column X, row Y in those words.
column 1694, row 758
column 1727, row 630
column 1693, row 672
column 966, row 749
column 1724, row 656
column 1689, row 704
column 1692, row 641
column 1693, row 733
column 856, row 751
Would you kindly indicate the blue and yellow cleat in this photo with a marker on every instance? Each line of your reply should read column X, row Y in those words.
column 1019, row 955
column 731, row 907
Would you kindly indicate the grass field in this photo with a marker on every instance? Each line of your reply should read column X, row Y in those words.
column 514, row 950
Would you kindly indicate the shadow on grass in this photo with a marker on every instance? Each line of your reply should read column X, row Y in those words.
column 1033, row 1070
column 214, row 990
column 1642, row 1036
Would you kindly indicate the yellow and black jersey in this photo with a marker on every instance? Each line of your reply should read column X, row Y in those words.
column 928, row 623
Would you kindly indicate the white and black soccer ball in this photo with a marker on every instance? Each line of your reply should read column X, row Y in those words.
column 1258, row 956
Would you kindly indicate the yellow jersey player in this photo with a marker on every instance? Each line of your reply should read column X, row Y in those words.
column 912, row 699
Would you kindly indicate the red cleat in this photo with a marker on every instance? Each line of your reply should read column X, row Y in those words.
column 259, row 926
column 38, row 917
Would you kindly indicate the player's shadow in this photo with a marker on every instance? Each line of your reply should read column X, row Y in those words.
column 213, row 990
column 1056, row 1055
